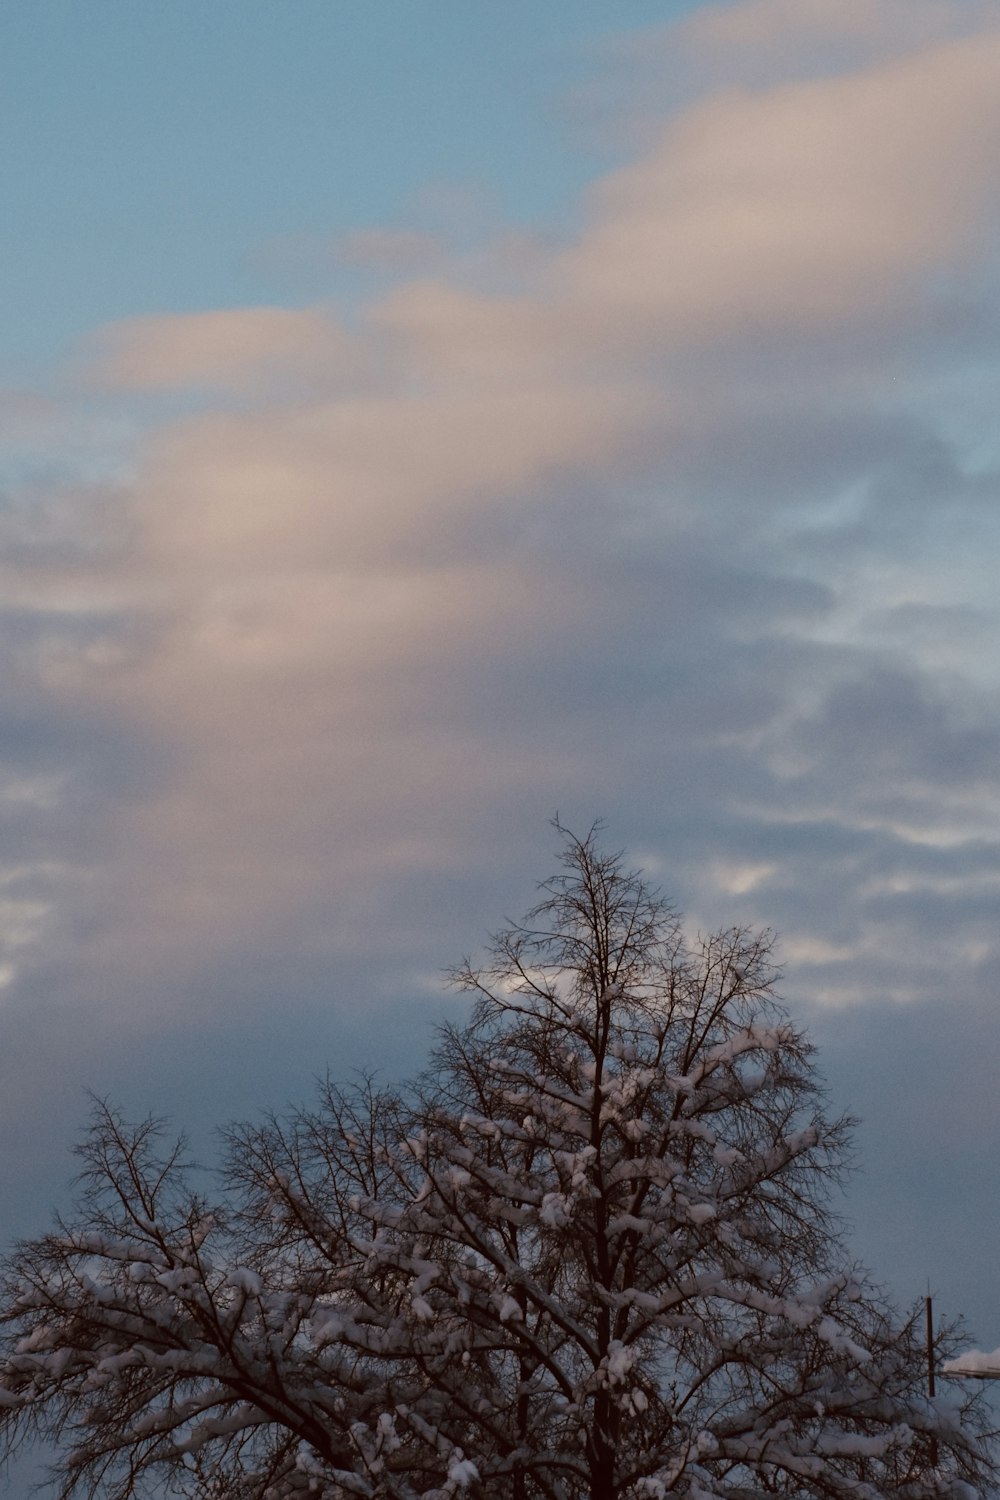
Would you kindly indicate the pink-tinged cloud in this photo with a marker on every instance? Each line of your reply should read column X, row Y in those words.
column 325, row 577
column 773, row 213
column 240, row 350
column 24, row 409
column 782, row 36
column 400, row 250
column 797, row 207
column 337, row 484
column 688, row 519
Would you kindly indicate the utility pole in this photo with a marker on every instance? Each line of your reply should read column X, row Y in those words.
column 929, row 1310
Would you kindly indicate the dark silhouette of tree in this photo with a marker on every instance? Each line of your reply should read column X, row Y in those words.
column 589, row 1254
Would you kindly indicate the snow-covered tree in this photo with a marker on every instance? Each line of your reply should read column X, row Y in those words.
column 589, row 1254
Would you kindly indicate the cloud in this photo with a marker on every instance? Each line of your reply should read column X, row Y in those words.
column 405, row 250
column 659, row 521
column 238, row 349
column 643, row 75
column 764, row 40
column 23, row 408
column 825, row 210
column 801, row 205
column 435, row 563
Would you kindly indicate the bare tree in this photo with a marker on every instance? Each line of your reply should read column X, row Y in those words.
column 589, row 1254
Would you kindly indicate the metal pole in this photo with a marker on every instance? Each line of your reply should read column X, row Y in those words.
column 929, row 1309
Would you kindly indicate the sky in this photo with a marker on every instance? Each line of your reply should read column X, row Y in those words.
column 419, row 421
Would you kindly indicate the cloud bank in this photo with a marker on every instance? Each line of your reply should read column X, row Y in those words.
column 684, row 520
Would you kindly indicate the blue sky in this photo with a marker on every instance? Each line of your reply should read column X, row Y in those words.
column 416, row 421
column 171, row 158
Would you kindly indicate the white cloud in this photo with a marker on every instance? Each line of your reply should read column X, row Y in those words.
column 794, row 208
column 386, row 589
column 240, row 349
column 831, row 35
